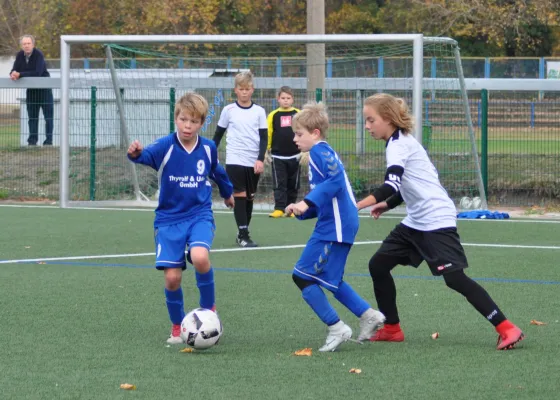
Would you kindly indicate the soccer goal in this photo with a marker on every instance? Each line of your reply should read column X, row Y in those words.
column 116, row 89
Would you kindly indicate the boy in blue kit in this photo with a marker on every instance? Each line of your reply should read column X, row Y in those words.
column 322, row 261
column 185, row 162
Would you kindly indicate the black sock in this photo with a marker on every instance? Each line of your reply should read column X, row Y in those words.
column 249, row 211
column 386, row 296
column 240, row 213
column 380, row 267
column 476, row 295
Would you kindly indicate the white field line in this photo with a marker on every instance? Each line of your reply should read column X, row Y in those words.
column 237, row 249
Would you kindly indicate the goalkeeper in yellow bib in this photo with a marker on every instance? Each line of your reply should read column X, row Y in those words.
column 284, row 153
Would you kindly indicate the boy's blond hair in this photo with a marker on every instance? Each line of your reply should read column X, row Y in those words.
column 312, row 116
column 244, row 79
column 193, row 104
column 287, row 90
column 392, row 109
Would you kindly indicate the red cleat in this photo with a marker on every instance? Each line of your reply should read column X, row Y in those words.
column 175, row 337
column 389, row 333
column 509, row 335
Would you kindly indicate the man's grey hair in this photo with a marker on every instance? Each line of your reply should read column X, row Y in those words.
column 27, row 36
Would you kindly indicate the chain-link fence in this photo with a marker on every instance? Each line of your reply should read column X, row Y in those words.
column 519, row 151
column 473, row 67
column 29, row 162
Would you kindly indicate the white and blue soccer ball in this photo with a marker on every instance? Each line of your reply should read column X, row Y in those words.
column 201, row 328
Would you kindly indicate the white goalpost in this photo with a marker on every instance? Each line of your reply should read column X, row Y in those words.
column 131, row 94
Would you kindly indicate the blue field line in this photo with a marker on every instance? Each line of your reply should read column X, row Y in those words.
column 285, row 272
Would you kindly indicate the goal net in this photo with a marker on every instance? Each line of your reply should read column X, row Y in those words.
column 128, row 88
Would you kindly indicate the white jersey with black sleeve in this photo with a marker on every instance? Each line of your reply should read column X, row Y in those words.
column 428, row 205
column 243, row 139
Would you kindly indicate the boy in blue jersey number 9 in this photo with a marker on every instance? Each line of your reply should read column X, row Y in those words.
column 185, row 162
column 332, row 202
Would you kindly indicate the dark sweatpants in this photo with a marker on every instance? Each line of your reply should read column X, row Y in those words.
column 37, row 99
column 285, row 175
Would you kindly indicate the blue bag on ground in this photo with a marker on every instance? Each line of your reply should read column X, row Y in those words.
column 483, row 214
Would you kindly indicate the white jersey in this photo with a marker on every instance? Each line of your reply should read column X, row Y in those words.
column 427, row 203
column 242, row 125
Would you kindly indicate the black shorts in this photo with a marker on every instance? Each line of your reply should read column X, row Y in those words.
column 243, row 179
column 441, row 248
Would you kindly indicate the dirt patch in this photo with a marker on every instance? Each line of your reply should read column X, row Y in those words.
column 33, row 173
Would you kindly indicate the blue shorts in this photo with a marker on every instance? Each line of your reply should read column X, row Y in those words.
column 172, row 240
column 323, row 262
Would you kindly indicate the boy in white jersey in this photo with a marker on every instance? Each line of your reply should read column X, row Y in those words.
column 332, row 202
column 428, row 232
column 184, row 162
column 246, row 143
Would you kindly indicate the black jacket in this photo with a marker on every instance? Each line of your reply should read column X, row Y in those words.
column 35, row 66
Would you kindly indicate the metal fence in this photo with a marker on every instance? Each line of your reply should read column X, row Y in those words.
column 473, row 67
column 518, row 141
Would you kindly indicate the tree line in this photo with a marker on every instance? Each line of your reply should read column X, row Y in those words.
column 482, row 27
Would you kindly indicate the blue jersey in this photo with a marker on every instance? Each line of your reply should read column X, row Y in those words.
column 184, row 188
column 331, row 194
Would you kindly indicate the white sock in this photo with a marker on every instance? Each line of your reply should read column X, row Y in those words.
column 336, row 327
column 367, row 313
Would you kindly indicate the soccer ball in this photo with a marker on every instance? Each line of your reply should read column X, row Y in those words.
column 201, row 328
column 466, row 203
column 476, row 202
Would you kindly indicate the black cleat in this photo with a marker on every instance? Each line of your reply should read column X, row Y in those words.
column 245, row 241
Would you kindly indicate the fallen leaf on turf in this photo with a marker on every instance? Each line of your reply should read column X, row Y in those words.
column 355, row 371
column 304, row 352
column 535, row 322
column 435, row 335
column 186, row 350
column 27, row 247
column 128, row 386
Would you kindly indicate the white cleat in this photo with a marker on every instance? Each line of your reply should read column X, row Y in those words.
column 370, row 321
column 338, row 334
column 175, row 337
column 174, row 340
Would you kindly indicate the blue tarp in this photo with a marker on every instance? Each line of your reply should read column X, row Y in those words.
column 483, row 214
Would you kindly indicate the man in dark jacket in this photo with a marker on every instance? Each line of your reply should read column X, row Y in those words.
column 30, row 62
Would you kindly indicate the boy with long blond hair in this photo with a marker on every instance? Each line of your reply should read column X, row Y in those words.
column 429, row 230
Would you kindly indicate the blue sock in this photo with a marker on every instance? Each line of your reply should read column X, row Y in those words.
column 351, row 300
column 174, row 300
column 317, row 300
column 205, row 284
